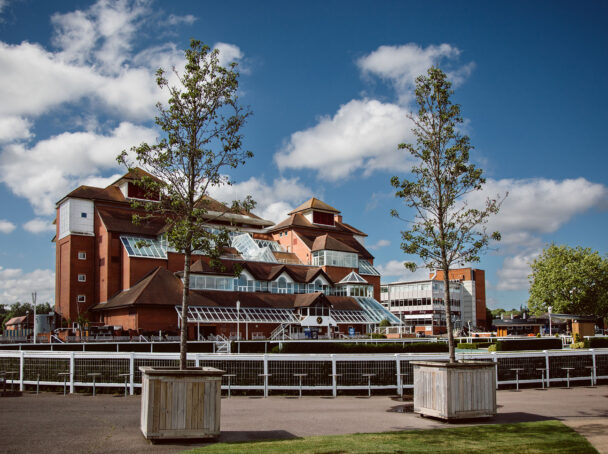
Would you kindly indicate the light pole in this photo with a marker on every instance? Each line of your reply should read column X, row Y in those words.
column 549, row 309
column 238, row 321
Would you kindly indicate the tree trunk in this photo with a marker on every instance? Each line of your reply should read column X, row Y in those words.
column 448, row 315
column 183, row 341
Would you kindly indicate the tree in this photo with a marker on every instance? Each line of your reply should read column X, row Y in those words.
column 571, row 280
column 202, row 139
column 444, row 230
column 20, row 309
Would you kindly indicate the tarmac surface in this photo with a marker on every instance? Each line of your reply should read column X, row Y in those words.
column 81, row 423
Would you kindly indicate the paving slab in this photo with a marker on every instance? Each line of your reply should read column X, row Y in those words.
column 53, row 423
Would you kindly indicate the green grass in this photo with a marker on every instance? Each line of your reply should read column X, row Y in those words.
column 532, row 437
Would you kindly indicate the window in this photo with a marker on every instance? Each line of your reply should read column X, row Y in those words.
column 83, row 215
column 82, row 255
column 82, row 298
column 82, row 278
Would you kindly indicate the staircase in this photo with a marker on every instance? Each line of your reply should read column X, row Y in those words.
column 222, row 344
column 281, row 332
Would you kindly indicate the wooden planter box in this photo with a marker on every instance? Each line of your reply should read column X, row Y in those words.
column 461, row 390
column 180, row 404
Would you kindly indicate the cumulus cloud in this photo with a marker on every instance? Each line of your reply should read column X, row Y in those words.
column 401, row 65
column 379, row 244
column 51, row 168
column 515, row 270
column 39, row 225
column 14, row 128
column 538, row 206
column 395, row 271
column 274, row 200
column 6, row 226
column 15, row 285
column 363, row 134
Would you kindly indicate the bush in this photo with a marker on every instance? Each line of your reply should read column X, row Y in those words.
column 466, row 346
column 485, row 344
column 378, row 336
column 577, row 338
column 528, row 344
column 492, row 348
column 598, row 342
column 339, row 347
column 576, row 345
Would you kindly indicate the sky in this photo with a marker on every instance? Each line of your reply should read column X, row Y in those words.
column 330, row 84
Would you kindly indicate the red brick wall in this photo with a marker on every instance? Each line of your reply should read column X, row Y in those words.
column 480, row 296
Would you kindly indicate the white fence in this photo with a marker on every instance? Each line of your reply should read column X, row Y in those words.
column 279, row 372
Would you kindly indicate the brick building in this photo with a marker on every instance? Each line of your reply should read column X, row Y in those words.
column 309, row 274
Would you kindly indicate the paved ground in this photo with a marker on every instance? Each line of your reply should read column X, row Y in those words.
column 50, row 423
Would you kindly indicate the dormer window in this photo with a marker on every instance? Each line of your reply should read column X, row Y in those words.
column 318, row 217
column 135, row 191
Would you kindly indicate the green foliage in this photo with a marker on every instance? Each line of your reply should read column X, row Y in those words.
column 467, row 346
column 577, row 345
column 201, row 141
column 444, row 230
column 598, row 342
column 571, row 280
column 384, row 322
column 344, row 347
column 378, row 336
column 528, row 344
column 492, row 348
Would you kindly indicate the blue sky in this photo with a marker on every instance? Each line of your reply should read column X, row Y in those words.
column 330, row 84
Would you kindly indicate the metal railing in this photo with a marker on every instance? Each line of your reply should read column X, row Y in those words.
column 278, row 372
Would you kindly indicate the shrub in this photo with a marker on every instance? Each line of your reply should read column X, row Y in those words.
column 466, row 346
column 577, row 338
column 598, row 342
column 339, row 347
column 492, row 348
column 578, row 345
column 528, row 344
column 485, row 344
column 378, row 336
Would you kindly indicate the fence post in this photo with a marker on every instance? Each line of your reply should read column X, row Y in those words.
column 593, row 363
column 547, row 367
column 495, row 359
column 398, row 370
column 265, row 375
column 197, row 361
column 21, row 363
column 72, row 372
column 334, row 377
column 132, row 373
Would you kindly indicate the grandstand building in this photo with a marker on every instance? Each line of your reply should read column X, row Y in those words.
column 307, row 276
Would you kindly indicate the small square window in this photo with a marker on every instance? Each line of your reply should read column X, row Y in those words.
column 82, row 278
column 82, row 298
column 83, row 215
column 82, row 255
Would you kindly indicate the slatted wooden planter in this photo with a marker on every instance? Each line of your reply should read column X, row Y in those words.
column 460, row 390
column 180, row 404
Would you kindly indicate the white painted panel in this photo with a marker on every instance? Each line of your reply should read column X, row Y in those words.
column 360, row 239
column 81, row 216
column 64, row 219
column 308, row 216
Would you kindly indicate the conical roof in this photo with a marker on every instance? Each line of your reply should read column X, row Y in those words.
column 314, row 204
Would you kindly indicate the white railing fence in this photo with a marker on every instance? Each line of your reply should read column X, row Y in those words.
column 278, row 372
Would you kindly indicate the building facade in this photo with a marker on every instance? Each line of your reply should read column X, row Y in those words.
column 419, row 305
column 306, row 276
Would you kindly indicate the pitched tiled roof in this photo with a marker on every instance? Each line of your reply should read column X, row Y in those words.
column 315, row 204
column 111, row 193
column 287, row 257
column 135, row 174
column 160, row 287
column 327, row 242
column 351, row 228
column 122, row 221
column 309, row 237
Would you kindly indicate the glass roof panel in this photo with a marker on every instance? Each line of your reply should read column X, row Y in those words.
column 367, row 268
column 144, row 247
column 375, row 311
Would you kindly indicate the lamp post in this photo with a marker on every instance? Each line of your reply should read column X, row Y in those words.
column 238, row 321
column 549, row 309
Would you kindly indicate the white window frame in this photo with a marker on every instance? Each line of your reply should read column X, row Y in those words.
column 82, row 255
column 82, row 277
column 82, row 298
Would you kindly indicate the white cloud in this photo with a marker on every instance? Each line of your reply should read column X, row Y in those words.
column 228, row 53
column 6, row 226
column 515, row 270
column 379, row 244
column 363, row 134
column 14, row 128
column 399, row 273
column 400, row 65
column 174, row 20
column 274, row 200
column 51, row 168
column 15, row 285
column 538, row 206
column 39, row 225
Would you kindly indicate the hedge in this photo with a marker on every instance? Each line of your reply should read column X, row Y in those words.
column 598, row 342
column 386, row 347
column 467, row 346
column 528, row 344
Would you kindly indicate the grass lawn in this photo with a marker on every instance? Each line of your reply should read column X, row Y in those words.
column 532, row 437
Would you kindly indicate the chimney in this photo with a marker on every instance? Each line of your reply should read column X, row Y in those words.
column 338, row 218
